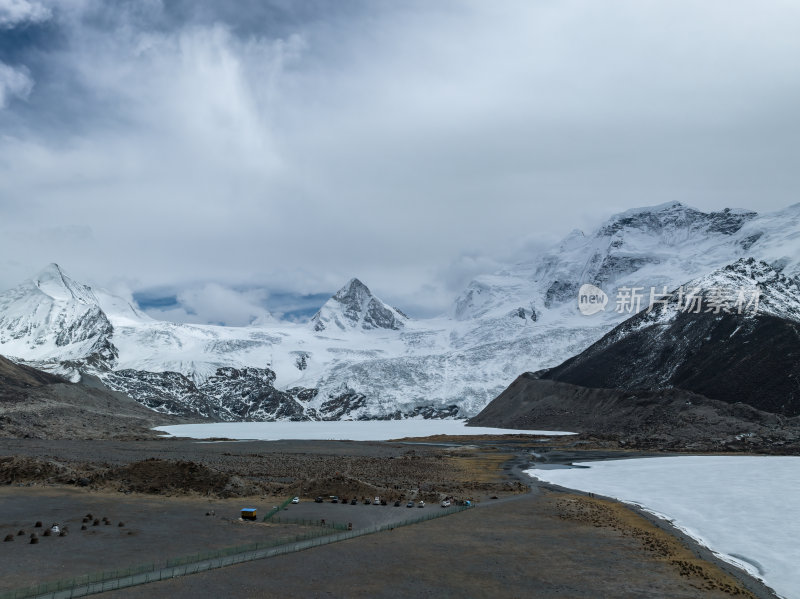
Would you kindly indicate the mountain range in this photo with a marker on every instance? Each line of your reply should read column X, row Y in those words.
column 360, row 358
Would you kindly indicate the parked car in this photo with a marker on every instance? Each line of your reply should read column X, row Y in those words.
column 353, row 501
column 421, row 504
column 445, row 503
column 397, row 503
column 334, row 499
column 318, row 500
column 384, row 502
column 376, row 501
column 410, row 504
column 295, row 500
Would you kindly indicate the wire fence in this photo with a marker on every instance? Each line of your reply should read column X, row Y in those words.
column 49, row 588
column 90, row 584
column 276, row 509
column 305, row 522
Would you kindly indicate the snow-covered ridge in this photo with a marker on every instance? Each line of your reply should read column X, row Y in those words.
column 363, row 358
column 747, row 288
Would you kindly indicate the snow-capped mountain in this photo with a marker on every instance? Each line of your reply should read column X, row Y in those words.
column 354, row 307
column 361, row 358
column 646, row 247
column 52, row 319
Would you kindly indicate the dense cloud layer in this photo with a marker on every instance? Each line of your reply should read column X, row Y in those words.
column 284, row 147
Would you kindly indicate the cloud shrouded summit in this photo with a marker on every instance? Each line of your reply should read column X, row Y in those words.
column 250, row 149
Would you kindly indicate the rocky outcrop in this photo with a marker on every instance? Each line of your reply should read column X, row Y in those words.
column 232, row 394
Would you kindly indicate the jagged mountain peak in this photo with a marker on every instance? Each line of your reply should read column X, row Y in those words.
column 355, row 307
column 54, row 282
column 653, row 245
column 354, row 289
column 53, row 321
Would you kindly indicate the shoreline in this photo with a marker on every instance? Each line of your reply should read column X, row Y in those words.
column 752, row 583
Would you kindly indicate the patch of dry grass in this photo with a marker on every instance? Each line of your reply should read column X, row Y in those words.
column 661, row 545
column 478, row 466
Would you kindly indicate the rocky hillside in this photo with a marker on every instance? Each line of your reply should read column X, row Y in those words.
column 643, row 419
column 752, row 357
column 43, row 406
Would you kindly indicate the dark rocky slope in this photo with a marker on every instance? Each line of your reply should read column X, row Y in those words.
column 752, row 358
column 662, row 419
column 43, row 406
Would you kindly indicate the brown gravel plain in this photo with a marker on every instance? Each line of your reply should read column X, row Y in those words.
column 533, row 546
column 531, row 541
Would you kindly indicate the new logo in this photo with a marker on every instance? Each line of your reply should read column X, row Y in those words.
column 591, row 299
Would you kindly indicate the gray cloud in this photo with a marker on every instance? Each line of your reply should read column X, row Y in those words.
column 21, row 12
column 212, row 303
column 14, row 82
column 289, row 146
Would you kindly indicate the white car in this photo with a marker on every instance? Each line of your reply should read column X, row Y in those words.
column 446, row 503
column 377, row 501
column 296, row 500
column 421, row 504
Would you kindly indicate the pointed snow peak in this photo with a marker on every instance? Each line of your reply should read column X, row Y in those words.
column 355, row 307
column 52, row 319
column 52, row 281
column 51, row 270
column 51, row 275
column 354, row 290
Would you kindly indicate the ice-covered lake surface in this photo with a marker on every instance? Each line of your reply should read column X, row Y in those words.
column 369, row 430
column 744, row 508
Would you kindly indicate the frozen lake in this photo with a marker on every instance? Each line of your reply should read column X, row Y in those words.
column 370, row 430
column 744, row 508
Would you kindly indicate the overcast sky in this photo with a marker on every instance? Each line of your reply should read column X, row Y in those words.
column 219, row 157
